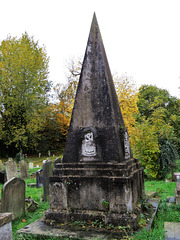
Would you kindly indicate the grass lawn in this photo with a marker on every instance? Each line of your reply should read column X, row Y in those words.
column 165, row 212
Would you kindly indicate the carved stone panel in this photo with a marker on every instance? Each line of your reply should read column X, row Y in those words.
column 88, row 145
column 127, row 150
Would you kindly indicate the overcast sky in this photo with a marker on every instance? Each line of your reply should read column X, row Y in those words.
column 141, row 38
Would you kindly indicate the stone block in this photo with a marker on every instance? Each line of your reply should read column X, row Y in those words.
column 5, row 226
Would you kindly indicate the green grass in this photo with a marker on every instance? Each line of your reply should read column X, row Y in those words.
column 165, row 213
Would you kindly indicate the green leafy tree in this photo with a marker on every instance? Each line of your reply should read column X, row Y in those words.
column 23, row 92
column 159, row 111
column 144, row 144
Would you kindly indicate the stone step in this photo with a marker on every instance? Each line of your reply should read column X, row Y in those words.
column 123, row 165
column 93, row 171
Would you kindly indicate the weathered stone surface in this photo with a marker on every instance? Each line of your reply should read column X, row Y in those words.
column 172, row 230
column 13, row 197
column 98, row 177
column 5, row 226
column 47, row 172
column 23, row 169
column 11, row 169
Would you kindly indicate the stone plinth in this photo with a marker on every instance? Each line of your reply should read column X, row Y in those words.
column 5, row 226
column 82, row 191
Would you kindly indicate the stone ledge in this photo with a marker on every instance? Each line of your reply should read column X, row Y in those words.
column 5, row 218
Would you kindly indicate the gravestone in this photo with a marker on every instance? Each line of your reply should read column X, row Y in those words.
column 39, row 178
column 13, row 197
column 1, row 165
column 5, row 226
column 31, row 165
column 98, row 177
column 23, row 169
column 47, row 172
column 11, row 169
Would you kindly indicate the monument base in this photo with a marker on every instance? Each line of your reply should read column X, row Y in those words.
column 108, row 192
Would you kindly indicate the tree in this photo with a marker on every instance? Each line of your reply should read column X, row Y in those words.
column 127, row 96
column 144, row 144
column 23, row 92
column 157, row 109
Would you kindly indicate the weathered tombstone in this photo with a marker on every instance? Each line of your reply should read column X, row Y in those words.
column 23, row 169
column 11, row 169
column 13, row 197
column 31, row 165
column 47, row 172
column 57, row 160
column 1, row 165
column 98, row 177
column 39, row 178
column 5, row 226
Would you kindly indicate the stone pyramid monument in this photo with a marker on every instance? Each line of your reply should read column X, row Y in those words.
column 98, row 177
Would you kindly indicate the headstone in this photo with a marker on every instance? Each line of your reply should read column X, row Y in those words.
column 13, row 197
column 11, row 169
column 47, row 172
column 57, row 160
column 5, row 226
column 39, row 178
column 31, row 165
column 23, row 169
column 1, row 165
column 98, row 177
column 39, row 155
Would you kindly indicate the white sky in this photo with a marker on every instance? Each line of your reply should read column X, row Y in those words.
column 141, row 37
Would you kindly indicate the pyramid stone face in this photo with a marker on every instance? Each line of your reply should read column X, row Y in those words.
column 97, row 165
column 96, row 123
